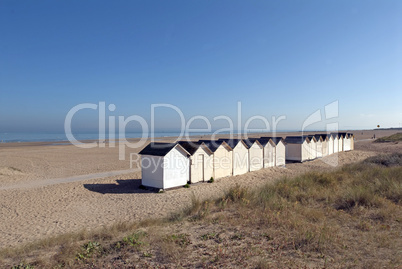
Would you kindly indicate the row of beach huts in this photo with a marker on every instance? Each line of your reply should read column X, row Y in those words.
column 170, row 165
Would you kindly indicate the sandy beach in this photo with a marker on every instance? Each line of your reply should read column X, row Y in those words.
column 48, row 189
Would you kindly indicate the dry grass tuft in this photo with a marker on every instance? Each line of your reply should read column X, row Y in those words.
column 394, row 159
column 392, row 138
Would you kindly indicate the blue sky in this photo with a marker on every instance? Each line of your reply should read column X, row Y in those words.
column 288, row 58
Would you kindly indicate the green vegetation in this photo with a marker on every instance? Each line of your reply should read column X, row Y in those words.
column 23, row 266
column 134, row 239
column 392, row 138
column 88, row 250
column 180, row 239
column 347, row 218
column 211, row 180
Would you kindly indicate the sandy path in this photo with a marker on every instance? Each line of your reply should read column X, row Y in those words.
column 362, row 140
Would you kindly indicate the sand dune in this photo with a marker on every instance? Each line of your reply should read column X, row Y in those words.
column 86, row 202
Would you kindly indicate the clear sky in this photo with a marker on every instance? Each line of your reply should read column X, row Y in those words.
column 288, row 58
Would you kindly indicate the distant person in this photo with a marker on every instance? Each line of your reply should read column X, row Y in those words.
column 374, row 136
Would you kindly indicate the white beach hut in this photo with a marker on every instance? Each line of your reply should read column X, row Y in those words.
column 297, row 148
column 201, row 157
column 240, row 156
column 164, row 165
column 313, row 147
column 222, row 158
column 325, row 145
column 330, row 144
column 280, row 150
column 352, row 141
column 347, row 141
column 319, row 145
column 336, row 142
column 340, row 141
column 255, row 154
column 269, row 159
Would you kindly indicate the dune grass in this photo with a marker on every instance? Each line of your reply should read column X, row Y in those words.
column 392, row 138
column 347, row 218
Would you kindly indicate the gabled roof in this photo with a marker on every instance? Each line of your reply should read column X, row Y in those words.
column 335, row 135
column 348, row 135
column 318, row 137
column 296, row 139
column 274, row 139
column 342, row 134
column 263, row 141
column 160, row 149
column 249, row 142
column 233, row 142
column 213, row 145
column 312, row 137
column 192, row 146
column 324, row 136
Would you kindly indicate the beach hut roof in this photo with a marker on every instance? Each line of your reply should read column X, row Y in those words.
column 312, row 137
column 263, row 141
column 296, row 139
column 324, row 136
column 192, row 146
column 319, row 137
column 342, row 134
column 213, row 145
column 160, row 149
column 233, row 142
column 249, row 142
column 274, row 139
column 346, row 135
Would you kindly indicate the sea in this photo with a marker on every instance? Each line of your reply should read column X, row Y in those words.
column 55, row 137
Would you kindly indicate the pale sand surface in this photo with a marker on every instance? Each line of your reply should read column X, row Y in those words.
column 32, row 210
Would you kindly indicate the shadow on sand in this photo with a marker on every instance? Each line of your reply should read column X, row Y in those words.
column 120, row 187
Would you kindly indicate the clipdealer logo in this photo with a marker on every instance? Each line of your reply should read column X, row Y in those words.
column 235, row 128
